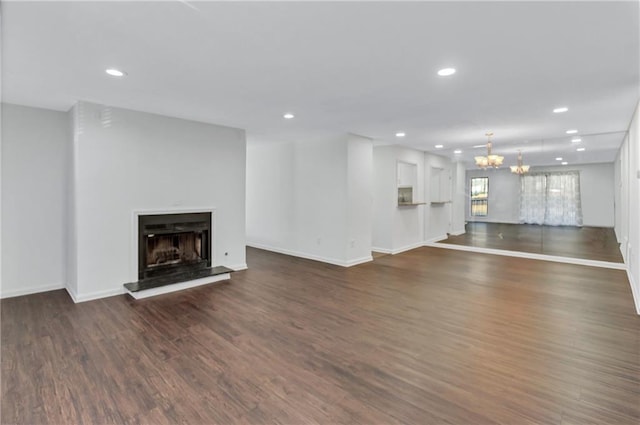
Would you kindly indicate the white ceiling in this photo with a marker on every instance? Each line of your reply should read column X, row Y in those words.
column 363, row 67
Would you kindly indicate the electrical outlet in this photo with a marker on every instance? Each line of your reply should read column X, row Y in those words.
column 352, row 242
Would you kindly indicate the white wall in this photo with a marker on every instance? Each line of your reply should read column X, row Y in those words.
column 1, row 149
column 458, row 198
column 34, row 161
column 396, row 228
column 320, row 188
column 628, row 220
column 385, row 197
column 619, row 209
column 271, row 219
column 128, row 161
column 437, row 216
column 71, row 236
column 359, row 197
column 597, row 184
column 622, row 196
column 320, row 199
column 633, row 249
column 408, row 222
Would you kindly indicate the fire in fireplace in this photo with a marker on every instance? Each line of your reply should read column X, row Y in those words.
column 173, row 243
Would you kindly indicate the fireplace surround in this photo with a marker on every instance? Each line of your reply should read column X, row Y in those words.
column 174, row 250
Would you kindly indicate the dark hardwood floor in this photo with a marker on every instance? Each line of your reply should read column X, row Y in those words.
column 429, row 336
column 591, row 243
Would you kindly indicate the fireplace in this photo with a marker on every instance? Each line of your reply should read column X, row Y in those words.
column 173, row 244
column 174, row 253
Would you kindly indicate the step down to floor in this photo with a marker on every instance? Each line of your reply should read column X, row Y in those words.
column 176, row 282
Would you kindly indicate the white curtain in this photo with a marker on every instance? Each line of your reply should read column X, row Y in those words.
column 533, row 190
column 551, row 198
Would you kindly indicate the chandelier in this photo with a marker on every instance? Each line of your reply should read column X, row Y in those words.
column 490, row 160
column 520, row 169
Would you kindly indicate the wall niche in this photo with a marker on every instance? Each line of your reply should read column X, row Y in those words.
column 407, row 182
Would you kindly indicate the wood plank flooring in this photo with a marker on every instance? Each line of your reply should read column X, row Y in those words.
column 429, row 336
column 591, row 243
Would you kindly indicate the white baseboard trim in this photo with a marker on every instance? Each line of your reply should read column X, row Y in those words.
column 397, row 250
column 436, row 239
column 493, row 221
column 532, row 256
column 72, row 294
column 28, row 291
column 407, row 248
column 238, row 267
column 80, row 298
column 634, row 291
column 357, row 261
column 458, row 232
column 623, row 248
column 333, row 261
column 178, row 286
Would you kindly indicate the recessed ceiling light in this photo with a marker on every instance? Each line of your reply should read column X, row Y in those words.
column 576, row 140
column 581, row 149
column 572, row 131
column 457, row 151
column 445, row 72
column 115, row 72
column 559, row 158
column 561, row 110
column 439, row 146
column 565, row 163
column 288, row 116
column 400, row 134
column 479, row 146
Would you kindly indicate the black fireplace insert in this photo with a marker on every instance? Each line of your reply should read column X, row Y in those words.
column 173, row 243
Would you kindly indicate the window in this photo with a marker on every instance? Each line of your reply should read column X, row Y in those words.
column 479, row 196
